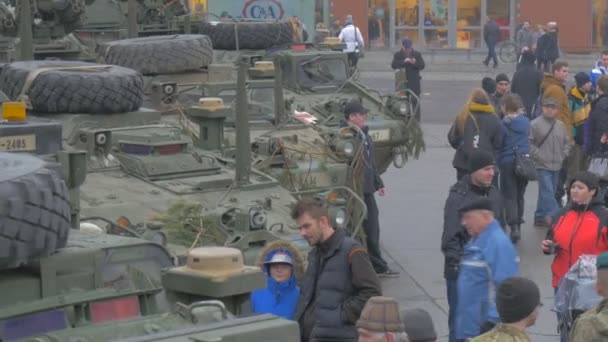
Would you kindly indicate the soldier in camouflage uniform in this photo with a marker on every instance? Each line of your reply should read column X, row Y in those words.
column 518, row 303
column 592, row 326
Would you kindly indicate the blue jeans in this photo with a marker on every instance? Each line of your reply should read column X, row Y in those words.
column 452, row 287
column 547, row 185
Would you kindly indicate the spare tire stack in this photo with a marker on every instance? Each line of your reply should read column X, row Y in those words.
column 251, row 35
column 35, row 215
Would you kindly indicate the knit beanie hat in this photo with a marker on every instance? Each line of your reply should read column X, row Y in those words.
column 479, row 159
column 489, row 85
column 418, row 325
column 590, row 179
column 581, row 79
column 516, row 299
column 502, row 78
column 381, row 314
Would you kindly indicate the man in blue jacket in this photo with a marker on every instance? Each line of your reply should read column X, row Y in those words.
column 489, row 258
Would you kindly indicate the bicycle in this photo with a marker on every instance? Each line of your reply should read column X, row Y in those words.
column 508, row 52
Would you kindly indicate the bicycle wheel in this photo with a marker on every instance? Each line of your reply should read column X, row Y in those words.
column 508, row 52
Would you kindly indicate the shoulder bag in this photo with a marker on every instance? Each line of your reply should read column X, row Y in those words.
column 525, row 169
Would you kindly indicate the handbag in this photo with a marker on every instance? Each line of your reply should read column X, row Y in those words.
column 525, row 168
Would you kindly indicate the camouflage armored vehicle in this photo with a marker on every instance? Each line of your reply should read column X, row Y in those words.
column 146, row 178
column 63, row 284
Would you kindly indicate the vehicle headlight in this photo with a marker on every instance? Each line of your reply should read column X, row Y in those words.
column 348, row 148
column 338, row 217
column 403, row 108
column 101, row 139
column 257, row 219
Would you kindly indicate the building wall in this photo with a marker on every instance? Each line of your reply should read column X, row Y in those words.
column 357, row 8
column 573, row 19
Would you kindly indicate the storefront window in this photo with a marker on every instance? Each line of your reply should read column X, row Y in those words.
column 436, row 38
column 599, row 31
column 435, row 12
column 500, row 11
column 406, row 13
column 412, row 34
column 468, row 38
column 378, row 23
column 468, row 13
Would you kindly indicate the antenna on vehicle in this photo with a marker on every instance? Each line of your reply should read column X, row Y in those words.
column 26, row 45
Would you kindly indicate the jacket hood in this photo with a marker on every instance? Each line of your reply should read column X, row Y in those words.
column 575, row 92
column 268, row 251
column 599, row 66
column 517, row 124
column 548, row 80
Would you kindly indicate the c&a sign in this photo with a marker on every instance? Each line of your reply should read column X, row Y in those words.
column 263, row 9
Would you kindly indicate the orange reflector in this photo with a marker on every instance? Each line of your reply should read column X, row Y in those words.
column 298, row 47
column 123, row 221
column 332, row 196
column 13, row 111
column 116, row 309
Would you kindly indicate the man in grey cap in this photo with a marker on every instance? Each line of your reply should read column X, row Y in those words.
column 550, row 144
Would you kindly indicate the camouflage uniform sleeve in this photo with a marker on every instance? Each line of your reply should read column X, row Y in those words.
column 584, row 331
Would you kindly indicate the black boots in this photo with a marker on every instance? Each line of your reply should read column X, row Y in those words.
column 515, row 233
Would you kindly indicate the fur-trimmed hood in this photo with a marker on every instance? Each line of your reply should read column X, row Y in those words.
column 298, row 258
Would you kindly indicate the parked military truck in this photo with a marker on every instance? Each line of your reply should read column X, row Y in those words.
column 63, row 284
column 146, row 178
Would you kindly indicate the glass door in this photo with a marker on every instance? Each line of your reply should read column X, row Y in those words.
column 435, row 20
column 468, row 24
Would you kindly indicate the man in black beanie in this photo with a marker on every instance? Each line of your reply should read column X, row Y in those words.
column 518, row 304
column 489, row 86
column 478, row 183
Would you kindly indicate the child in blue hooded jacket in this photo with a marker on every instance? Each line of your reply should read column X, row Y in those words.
column 281, row 261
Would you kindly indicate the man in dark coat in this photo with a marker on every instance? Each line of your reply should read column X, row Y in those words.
column 478, row 183
column 526, row 81
column 491, row 34
column 411, row 60
column 547, row 48
column 338, row 281
column 596, row 128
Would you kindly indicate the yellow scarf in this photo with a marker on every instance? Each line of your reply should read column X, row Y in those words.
column 483, row 108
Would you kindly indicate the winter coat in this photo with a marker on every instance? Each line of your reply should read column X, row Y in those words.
column 454, row 235
column 372, row 181
column 412, row 70
column 488, row 260
column 596, row 126
column 597, row 72
column 552, row 153
column 524, row 39
column 591, row 326
column 526, row 83
column 547, row 48
column 516, row 130
column 491, row 33
column 501, row 333
column 578, row 230
column 551, row 87
column 278, row 298
column 482, row 129
column 580, row 108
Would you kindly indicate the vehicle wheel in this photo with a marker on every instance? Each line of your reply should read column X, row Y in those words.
column 253, row 36
column 34, row 210
column 109, row 89
column 159, row 54
column 508, row 53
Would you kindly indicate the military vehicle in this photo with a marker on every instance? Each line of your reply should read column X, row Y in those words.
column 63, row 284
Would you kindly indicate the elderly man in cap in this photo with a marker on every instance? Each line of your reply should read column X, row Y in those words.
column 477, row 184
column 518, row 304
column 380, row 321
column 489, row 258
column 356, row 116
column 412, row 62
column 419, row 325
column 593, row 325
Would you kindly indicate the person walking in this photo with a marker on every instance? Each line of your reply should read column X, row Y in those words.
column 593, row 324
column 339, row 279
column 412, row 62
column 351, row 36
column 580, row 106
column 380, row 321
column 419, row 325
column 475, row 127
column 518, row 304
column 596, row 128
column 355, row 115
column 524, row 40
column 281, row 261
column 489, row 258
column 547, row 49
column 491, row 34
column 549, row 145
column 526, row 81
column 516, row 130
column 477, row 184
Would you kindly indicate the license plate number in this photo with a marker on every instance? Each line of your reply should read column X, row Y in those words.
column 380, row 135
column 18, row 143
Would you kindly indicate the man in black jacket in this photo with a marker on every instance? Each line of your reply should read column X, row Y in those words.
column 491, row 34
column 356, row 115
column 411, row 60
column 478, row 183
column 526, row 81
column 338, row 281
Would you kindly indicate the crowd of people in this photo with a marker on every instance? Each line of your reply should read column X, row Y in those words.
column 507, row 134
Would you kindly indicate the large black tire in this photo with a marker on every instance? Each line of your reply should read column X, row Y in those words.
column 251, row 35
column 159, row 54
column 112, row 89
column 34, row 210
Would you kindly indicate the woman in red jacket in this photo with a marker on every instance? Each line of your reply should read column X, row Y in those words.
column 580, row 228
